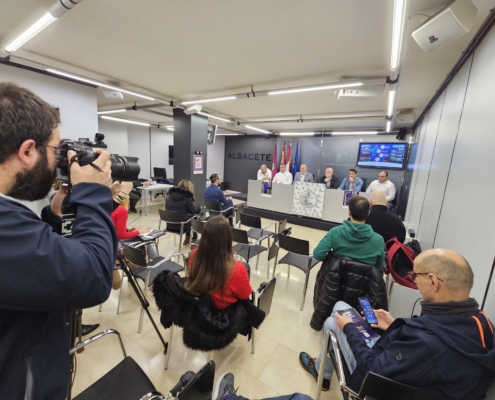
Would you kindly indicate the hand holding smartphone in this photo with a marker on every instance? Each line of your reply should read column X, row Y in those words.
column 369, row 314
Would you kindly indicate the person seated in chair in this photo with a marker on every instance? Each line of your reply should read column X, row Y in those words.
column 383, row 222
column 352, row 182
column 329, row 179
column 181, row 199
column 135, row 194
column 213, row 268
column 284, row 176
column 303, row 175
column 448, row 351
column 214, row 193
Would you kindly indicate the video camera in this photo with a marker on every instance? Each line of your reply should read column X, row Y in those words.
column 124, row 168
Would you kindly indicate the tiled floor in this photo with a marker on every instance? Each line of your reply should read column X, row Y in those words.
column 272, row 371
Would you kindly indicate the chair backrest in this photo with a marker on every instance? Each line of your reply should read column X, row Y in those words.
column 272, row 252
column 250, row 220
column 239, row 236
column 294, row 245
column 266, row 296
column 170, row 216
column 403, row 302
column 281, row 225
column 135, row 256
column 381, row 388
column 197, row 226
column 212, row 205
column 160, row 172
column 365, row 184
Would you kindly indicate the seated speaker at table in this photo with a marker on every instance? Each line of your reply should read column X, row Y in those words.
column 383, row 185
column 303, row 175
column 329, row 179
column 264, row 174
column 283, row 176
column 352, row 182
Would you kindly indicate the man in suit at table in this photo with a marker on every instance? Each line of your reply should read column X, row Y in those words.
column 329, row 179
column 303, row 175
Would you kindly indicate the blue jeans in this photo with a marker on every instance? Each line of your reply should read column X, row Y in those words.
column 330, row 324
column 294, row 396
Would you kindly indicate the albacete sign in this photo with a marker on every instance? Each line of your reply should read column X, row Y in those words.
column 250, row 156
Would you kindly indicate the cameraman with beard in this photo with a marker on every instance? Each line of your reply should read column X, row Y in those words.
column 44, row 275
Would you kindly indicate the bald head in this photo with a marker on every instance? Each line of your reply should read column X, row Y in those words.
column 303, row 168
column 263, row 168
column 378, row 198
column 449, row 266
column 329, row 172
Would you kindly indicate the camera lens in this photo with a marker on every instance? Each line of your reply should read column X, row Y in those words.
column 125, row 168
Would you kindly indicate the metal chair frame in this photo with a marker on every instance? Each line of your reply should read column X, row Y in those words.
column 173, row 217
column 302, row 253
column 241, row 238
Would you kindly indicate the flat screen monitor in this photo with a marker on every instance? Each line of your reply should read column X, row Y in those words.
column 382, row 155
column 160, row 172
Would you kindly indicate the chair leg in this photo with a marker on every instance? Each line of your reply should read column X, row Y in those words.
column 257, row 261
column 305, row 288
column 180, row 241
column 100, row 307
column 321, row 372
column 169, row 348
column 252, row 341
column 288, row 271
column 120, row 293
column 175, row 239
column 145, row 293
column 210, row 355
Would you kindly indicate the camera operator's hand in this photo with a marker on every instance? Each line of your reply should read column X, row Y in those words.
column 58, row 199
column 89, row 174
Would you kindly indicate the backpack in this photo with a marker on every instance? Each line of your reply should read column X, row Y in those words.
column 400, row 259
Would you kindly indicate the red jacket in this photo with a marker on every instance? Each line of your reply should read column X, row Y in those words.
column 119, row 219
column 238, row 286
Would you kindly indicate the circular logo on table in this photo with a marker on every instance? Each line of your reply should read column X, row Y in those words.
column 308, row 199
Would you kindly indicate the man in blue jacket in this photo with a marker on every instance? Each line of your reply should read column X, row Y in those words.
column 44, row 275
column 215, row 194
column 352, row 182
column 448, row 351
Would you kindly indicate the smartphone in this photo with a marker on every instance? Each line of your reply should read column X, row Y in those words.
column 369, row 314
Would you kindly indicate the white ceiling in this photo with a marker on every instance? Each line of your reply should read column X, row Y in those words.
column 191, row 49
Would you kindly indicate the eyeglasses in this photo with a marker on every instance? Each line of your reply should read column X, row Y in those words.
column 413, row 275
column 57, row 149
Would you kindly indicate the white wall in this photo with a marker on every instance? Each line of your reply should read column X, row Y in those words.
column 451, row 191
column 215, row 159
column 77, row 103
column 139, row 146
column 115, row 136
column 160, row 140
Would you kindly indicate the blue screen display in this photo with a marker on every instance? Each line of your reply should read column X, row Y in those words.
column 382, row 155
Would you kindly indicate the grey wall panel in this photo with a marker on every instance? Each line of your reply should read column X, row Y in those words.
column 442, row 157
column 139, row 144
column 466, row 221
column 216, row 157
column 77, row 102
column 424, row 164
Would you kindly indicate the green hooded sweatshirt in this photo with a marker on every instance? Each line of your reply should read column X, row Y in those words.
column 357, row 241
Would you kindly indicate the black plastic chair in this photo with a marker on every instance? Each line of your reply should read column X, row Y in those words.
column 215, row 209
column 173, row 217
column 365, row 184
column 147, row 272
column 298, row 256
column 196, row 227
column 244, row 248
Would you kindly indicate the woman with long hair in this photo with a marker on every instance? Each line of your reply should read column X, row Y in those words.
column 213, row 269
column 181, row 199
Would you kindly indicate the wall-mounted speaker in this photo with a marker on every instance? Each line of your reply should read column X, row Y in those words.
column 446, row 25
column 406, row 117
column 112, row 94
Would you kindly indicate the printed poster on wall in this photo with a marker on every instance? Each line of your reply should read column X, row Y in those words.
column 197, row 164
column 308, row 199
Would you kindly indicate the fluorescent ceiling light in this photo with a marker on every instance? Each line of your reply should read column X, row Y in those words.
column 214, row 116
column 389, row 126
column 313, row 88
column 209, row 100
column 337, row 133
column 78, row 78
column 112, row 111
column 399, row 6
column 297, row 133
column 169, row 128
column 256, row 129
column 29, row 33
column 391, row 103
column 125, row 121
column 229, row 134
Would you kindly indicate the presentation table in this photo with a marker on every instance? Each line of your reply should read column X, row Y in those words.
column 282, row 197
column 148, row 189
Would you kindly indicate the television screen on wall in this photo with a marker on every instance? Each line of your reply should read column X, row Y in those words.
column 382, row 155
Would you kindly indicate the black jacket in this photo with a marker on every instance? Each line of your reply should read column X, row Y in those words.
column 344, row 279
column 386, row 224
column 43, row 276
column 182, row 201
column 334, row 182
column 205, row 327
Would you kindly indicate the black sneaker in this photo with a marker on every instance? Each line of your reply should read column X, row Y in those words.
column 223, row 386
column 308, row 364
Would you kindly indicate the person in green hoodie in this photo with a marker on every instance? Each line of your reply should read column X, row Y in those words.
column 354, row 238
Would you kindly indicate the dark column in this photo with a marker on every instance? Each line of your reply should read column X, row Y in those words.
column 189, row 139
